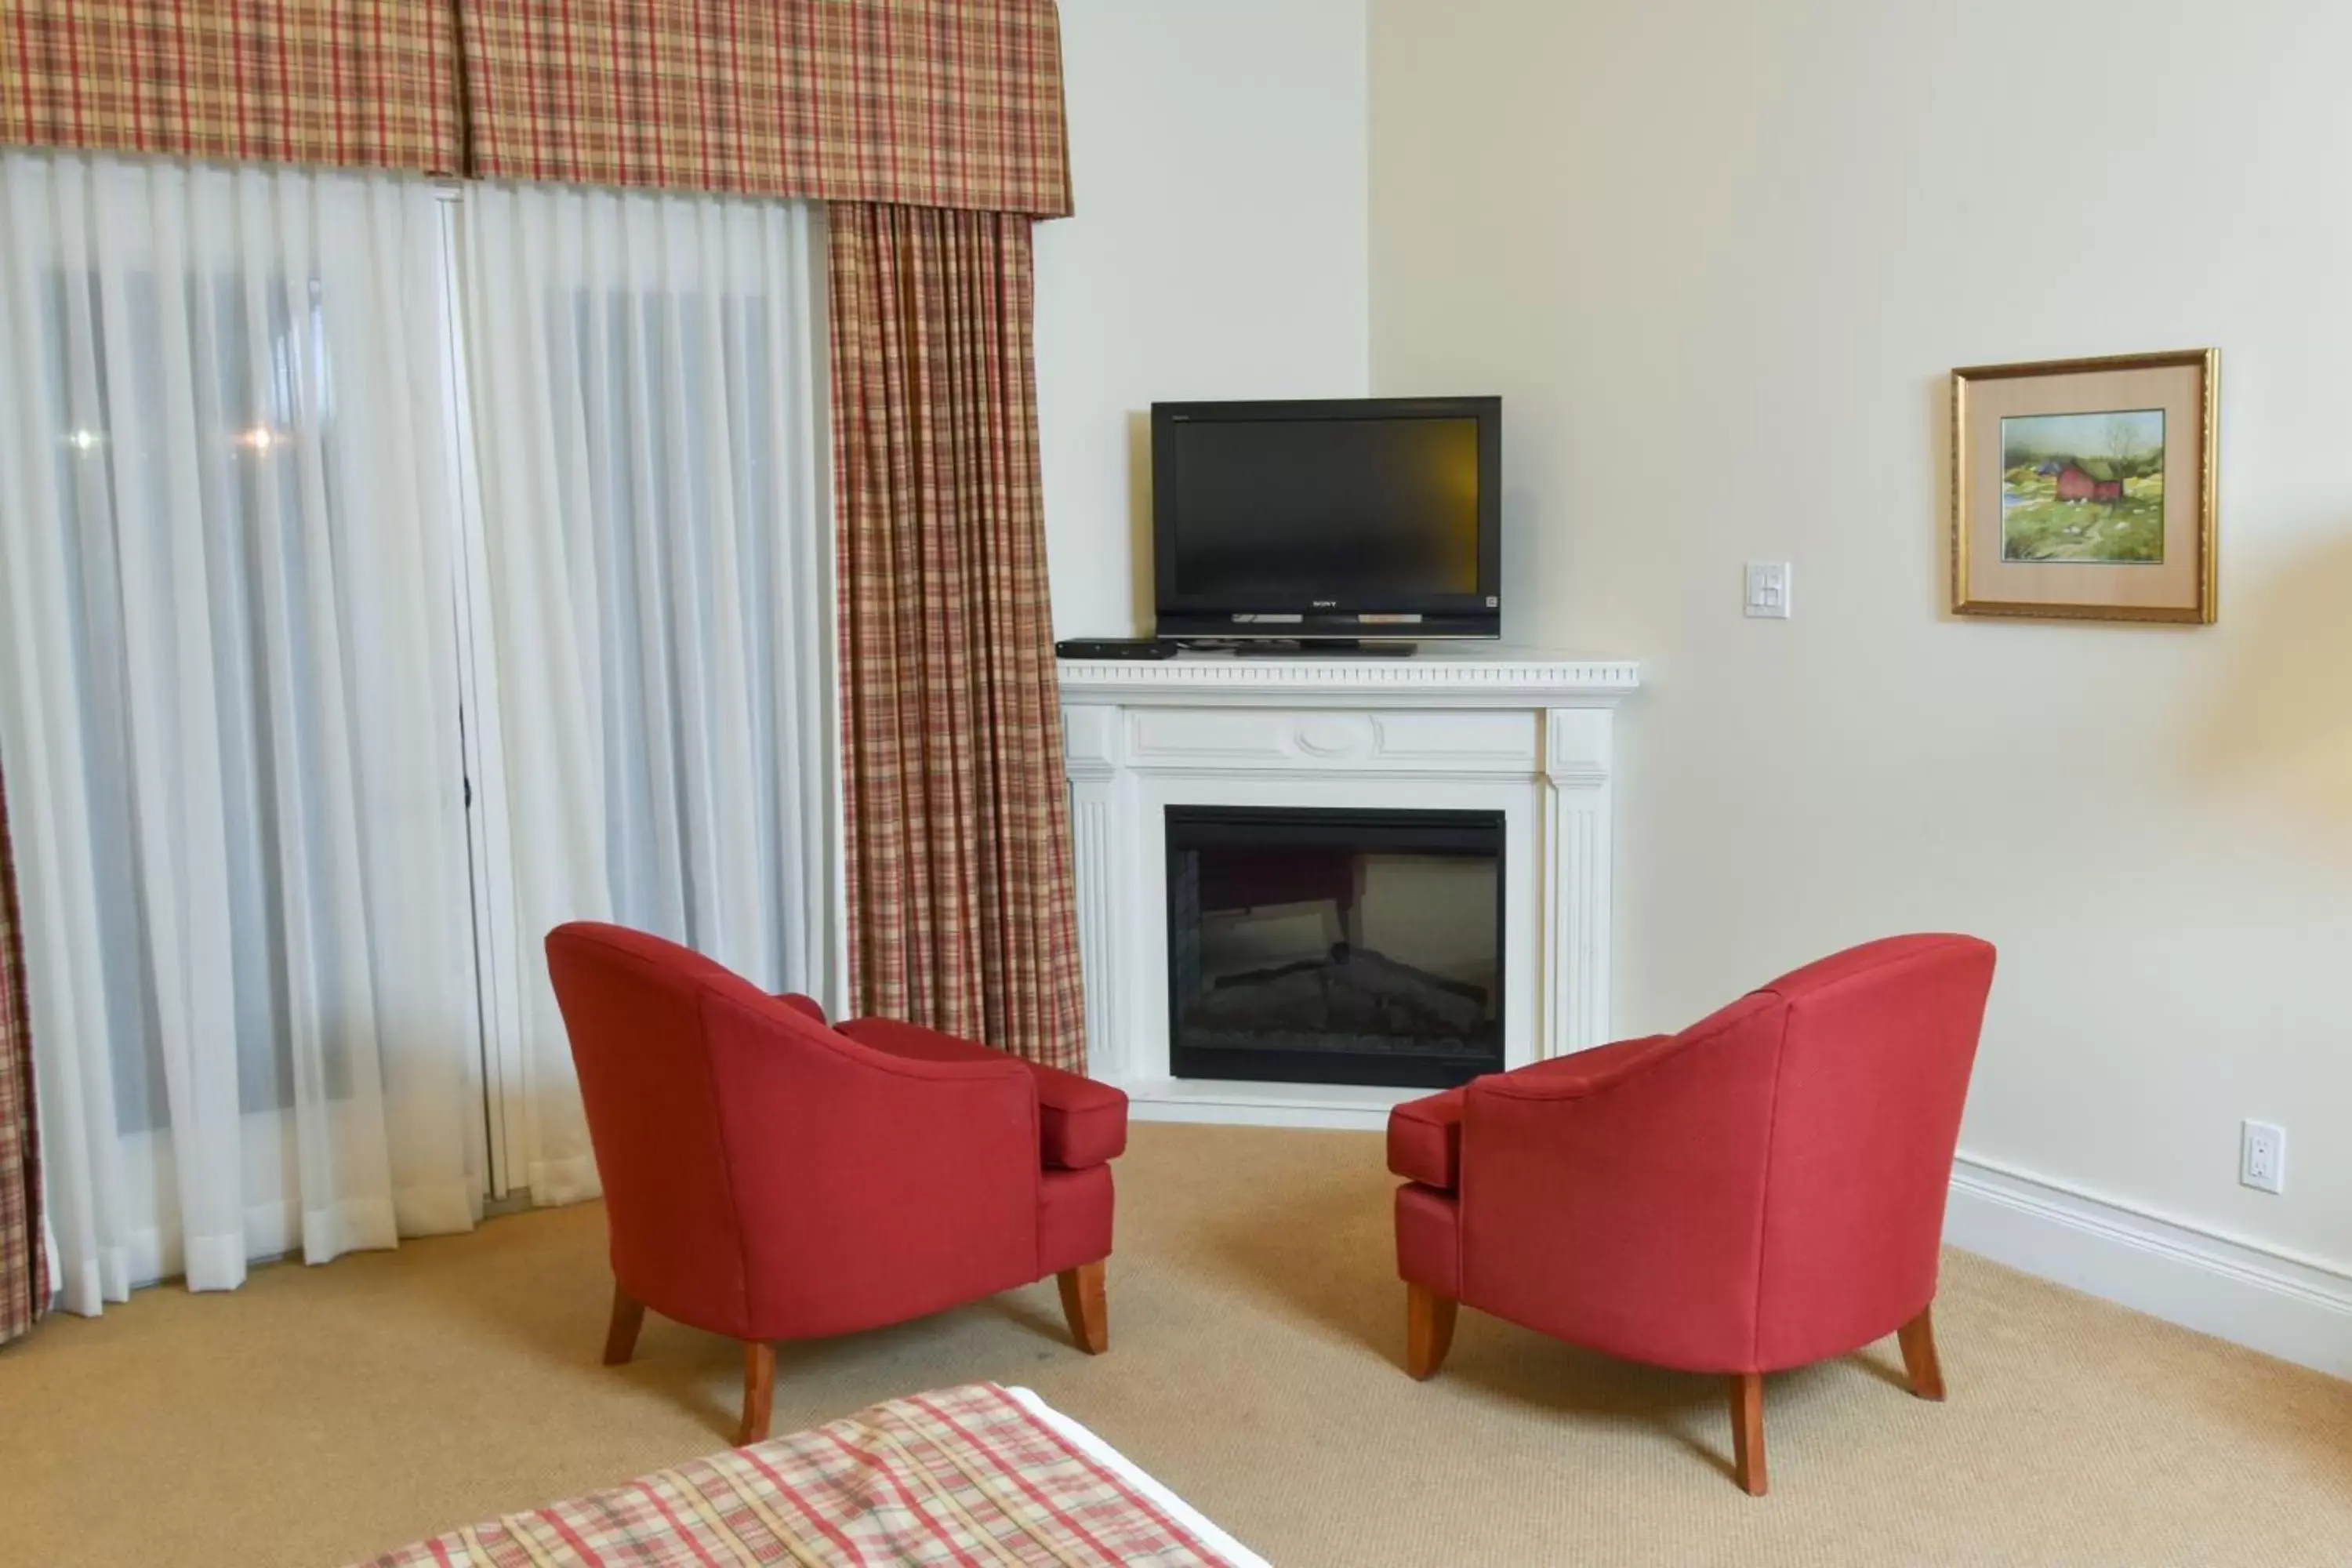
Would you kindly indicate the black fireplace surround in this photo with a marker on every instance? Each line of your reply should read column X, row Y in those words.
column 1335, row 946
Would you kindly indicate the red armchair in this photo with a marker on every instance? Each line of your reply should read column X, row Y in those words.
column 767, row 1177
column 1763, row 1190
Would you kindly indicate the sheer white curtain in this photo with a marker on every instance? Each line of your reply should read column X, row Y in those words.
column 646, row 375
column 228, row 713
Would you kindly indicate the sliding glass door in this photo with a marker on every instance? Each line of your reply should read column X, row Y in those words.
column 391, row 574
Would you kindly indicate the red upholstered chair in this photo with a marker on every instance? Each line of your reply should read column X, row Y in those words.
column 767, row 1177
column 1763, row 1190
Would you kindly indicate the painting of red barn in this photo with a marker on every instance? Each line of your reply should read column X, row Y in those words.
column 2089, row 480
column 2084, row 487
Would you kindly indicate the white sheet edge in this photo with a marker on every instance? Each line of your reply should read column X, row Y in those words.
column 1128, row 1471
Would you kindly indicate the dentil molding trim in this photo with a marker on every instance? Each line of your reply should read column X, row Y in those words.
column 1469, row 677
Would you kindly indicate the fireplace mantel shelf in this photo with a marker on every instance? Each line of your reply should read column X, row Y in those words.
column 1479, row 727
column 1458, row 675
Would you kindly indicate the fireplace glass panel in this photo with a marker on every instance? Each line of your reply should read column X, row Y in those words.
column 1327, row 946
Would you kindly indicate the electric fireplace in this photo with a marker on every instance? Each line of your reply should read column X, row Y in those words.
column 1335, row 946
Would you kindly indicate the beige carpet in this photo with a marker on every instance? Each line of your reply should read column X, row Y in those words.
column 324, row 1414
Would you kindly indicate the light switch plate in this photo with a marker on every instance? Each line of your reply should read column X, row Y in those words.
column 1768, row 590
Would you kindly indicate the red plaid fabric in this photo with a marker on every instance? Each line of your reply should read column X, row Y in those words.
column 943, row 103
column 963, row 896
column 23, row 1266
column 954, row 103
column 965, row 1476
column 368, row 83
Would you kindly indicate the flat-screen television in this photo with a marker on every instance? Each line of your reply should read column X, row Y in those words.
column 1328, row 519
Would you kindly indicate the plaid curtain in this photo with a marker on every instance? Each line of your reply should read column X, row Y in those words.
column 367, row 83
column 942, row 103
column 962, row 893
column 24, row 1265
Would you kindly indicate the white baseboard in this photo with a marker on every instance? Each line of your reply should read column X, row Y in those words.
column 2297, row 1308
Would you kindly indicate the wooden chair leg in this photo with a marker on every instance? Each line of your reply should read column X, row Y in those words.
column 1747, row 1431
column 759, row 1390
column 1918, row 1341
column 628, row 1317
column 1428, row 1329
column 1086, row 1305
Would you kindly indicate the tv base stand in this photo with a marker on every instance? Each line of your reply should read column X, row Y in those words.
column 1352, row 647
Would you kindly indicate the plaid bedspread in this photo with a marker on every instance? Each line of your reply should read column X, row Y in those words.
column 966, row 1476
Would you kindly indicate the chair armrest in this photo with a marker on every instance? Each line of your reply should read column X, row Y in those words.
column 1585, row 1072
column 1425, row 1134
column 1425, row 1139
column 806, row 1006
column 1080, row 1122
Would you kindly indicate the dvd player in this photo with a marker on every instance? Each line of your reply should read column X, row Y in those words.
column 1114, row 647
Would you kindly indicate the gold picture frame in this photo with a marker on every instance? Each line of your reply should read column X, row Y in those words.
column 2075, row 495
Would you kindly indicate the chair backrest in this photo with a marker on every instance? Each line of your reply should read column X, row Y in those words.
column 633, row 1007
column 1875, row 1052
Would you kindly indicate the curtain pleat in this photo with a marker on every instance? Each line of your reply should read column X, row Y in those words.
column 961, row 901
column 23, row 1261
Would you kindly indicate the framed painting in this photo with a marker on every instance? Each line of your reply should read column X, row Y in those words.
column 2084, row 489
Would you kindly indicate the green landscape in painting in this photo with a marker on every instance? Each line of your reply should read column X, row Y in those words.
column 2083, row 487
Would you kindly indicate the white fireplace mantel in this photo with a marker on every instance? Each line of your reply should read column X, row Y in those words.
column 1472, row 727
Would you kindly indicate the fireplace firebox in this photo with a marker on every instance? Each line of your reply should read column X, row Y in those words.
column 1335, row 946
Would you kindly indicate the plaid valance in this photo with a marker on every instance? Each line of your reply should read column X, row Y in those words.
column 936, row 103
column 356, row 83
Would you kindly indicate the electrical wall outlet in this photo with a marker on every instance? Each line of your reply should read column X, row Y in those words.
column 1768, row 590
column 2261, row 1157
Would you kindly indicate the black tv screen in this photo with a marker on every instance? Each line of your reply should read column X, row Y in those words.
column 1361, row 517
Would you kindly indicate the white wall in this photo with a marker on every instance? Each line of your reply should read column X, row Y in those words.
column 1219, row 159
column 1718, row 258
